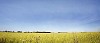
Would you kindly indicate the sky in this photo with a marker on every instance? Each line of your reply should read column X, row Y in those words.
column 50, row 15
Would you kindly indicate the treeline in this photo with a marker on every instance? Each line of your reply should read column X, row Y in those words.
column 39, row 32
column 24, row 32
column 31, row 32
column 11, row 31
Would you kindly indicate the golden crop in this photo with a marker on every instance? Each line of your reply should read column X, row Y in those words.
column 88, row 37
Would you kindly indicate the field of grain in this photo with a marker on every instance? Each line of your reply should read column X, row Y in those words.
column 88, row 37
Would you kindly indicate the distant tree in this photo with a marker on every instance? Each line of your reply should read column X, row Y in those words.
column 5, row 31
column 19, row 31
column 12, row 31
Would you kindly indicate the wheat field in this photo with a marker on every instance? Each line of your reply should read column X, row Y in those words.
column 78, row 37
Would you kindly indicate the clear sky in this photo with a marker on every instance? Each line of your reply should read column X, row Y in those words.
column 50, row 15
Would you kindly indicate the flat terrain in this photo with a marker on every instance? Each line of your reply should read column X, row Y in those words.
column 86, row 37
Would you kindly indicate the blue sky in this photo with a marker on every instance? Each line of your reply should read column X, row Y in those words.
column 50, row 15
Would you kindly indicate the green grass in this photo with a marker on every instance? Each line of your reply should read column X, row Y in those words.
column 89, row 37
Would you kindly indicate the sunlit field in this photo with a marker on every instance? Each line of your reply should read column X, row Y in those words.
column 85, row 37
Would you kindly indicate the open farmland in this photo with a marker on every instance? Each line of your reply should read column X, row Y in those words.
column 85, row 37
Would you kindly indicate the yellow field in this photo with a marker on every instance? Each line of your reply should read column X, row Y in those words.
column 90, row 37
